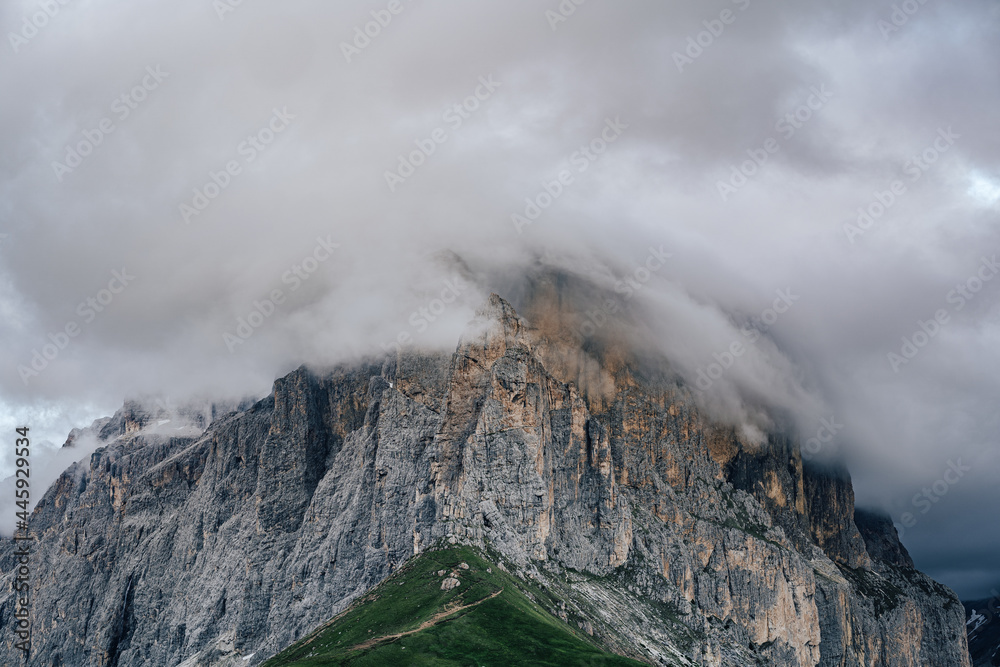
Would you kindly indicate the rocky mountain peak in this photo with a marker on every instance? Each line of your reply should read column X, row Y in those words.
column 494, row 329
column 581, row 465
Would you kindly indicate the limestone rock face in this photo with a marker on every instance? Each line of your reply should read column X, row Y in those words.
column 880, row 537
column 664, row 535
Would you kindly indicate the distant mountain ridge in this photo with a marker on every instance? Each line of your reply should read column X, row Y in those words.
column 983, row 627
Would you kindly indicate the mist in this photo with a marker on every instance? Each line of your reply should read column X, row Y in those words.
column 197, row 197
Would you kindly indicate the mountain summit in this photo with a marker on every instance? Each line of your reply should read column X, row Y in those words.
column 587, row 471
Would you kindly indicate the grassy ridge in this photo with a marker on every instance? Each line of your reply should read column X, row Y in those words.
column 486, row 620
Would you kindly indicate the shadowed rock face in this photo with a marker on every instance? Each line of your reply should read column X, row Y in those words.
column 881, row 539
column 666, row 536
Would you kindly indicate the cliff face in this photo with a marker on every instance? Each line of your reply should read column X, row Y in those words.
column 666, row 536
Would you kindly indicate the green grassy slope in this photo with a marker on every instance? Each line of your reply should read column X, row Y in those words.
column 487, row 620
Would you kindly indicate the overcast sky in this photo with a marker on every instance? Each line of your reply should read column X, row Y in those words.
column 168, row 166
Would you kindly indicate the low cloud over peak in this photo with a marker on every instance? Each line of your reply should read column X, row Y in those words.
column 197, row 197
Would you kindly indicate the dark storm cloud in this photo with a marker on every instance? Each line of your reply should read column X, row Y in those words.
column 235, row 156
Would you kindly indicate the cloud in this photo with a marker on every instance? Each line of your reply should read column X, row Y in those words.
column 46, row 465
column 255, row 119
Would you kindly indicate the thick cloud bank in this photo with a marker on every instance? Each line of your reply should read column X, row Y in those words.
column 198, row 196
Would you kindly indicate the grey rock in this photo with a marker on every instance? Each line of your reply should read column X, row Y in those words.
column 580, row 466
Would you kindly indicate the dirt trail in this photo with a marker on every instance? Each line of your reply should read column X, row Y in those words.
column 423, row 626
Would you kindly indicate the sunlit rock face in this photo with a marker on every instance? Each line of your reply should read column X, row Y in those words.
column 567, row 453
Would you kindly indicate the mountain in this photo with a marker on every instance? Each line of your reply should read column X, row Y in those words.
column 578, row 463
column 983, row 630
